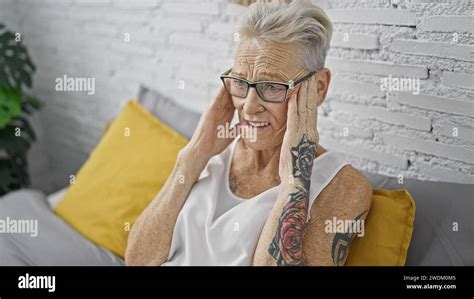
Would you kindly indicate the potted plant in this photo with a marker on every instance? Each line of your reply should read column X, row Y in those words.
column 16, row 133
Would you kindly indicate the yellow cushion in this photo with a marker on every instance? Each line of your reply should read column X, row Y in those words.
column 388, row 231
column 120, row 178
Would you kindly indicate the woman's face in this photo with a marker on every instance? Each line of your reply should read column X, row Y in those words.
column 265, row 61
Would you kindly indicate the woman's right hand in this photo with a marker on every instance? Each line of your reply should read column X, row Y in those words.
column 207, row 139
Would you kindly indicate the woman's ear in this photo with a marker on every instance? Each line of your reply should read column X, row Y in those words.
column 323, row 78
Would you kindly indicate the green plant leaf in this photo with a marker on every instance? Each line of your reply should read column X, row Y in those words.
column 16, row 67
column 12, row 144
column 13, row 175
column 10, row 104
column 33, row 101
column 16, row 133
column 26, row 129
column 29, row 104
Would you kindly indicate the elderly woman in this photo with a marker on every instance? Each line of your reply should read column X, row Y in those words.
column 263, row 200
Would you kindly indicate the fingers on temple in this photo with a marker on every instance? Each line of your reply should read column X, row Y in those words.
column 303, row 102
column 312, row 123
column 312, row 111
column 292, row 113
column 224, row 94
column 312, row 92
column 221, row 92
column 222, row 99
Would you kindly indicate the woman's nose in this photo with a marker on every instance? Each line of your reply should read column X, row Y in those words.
column 252, row 103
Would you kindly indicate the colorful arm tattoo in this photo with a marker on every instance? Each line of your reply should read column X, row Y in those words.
column 341, row 243
column 287, row 246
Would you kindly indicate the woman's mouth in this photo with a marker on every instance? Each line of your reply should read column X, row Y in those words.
column 258, row 125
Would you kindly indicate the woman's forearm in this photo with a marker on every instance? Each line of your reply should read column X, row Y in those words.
column 150, row 238
column 281, row 240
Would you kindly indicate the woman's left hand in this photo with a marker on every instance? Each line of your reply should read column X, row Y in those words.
column 289, row 214
column 301, row 137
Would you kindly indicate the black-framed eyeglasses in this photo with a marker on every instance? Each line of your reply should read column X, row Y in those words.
column 269, row 91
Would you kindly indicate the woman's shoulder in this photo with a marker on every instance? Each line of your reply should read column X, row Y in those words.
column 348, row 183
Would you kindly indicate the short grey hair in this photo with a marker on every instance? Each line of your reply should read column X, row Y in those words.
column 298, row 22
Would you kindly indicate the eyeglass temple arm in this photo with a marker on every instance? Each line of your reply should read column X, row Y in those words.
column 292, row 83
column 227, row 72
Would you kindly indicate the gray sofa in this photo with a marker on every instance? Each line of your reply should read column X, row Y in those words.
column 443, row 232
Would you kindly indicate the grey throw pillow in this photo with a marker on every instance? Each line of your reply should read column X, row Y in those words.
column 177, row 117
column 443, row 233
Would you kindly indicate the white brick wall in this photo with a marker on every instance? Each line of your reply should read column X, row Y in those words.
column 427, row 134
column 457, row 79
column 430, row 102
column 372, row 16
column 449, row 23
column 391, row 132
column 380, row 68
column 438, row 49
column 356, row 41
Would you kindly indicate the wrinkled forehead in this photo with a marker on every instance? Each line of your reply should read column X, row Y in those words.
column 260, row 60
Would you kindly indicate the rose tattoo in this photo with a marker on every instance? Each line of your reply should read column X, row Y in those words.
column 302, row 157
column 285, row 247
